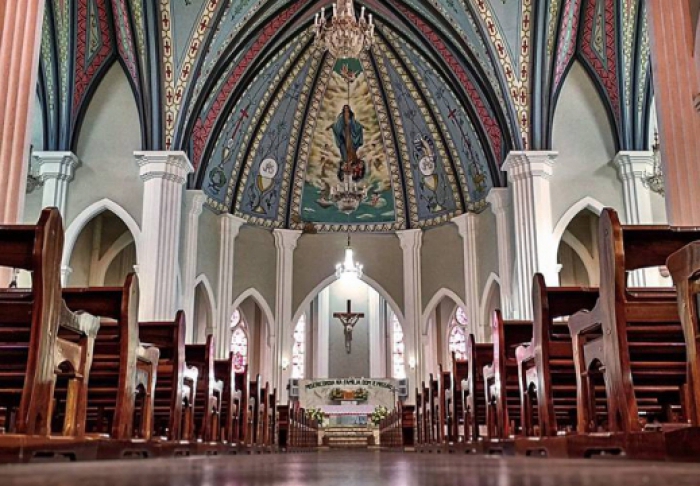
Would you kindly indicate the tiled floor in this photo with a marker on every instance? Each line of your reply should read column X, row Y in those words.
column 351, row 469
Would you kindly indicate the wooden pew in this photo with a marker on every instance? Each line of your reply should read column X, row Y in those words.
column 445, row 399
column 122, row 367
column 224, row 371
column 546, row 365
column 501, row 378
column 242, row 406
column 472, row 384
column 684, row 266
column 632, row 340
column 208, row 393
column 176, row 382
column 33, row 326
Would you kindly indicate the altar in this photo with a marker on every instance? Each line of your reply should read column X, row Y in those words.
column 348, row 401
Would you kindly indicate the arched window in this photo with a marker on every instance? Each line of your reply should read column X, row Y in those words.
column 299, row 349
column 239, row 342
column 397, row 353
column 457, row 341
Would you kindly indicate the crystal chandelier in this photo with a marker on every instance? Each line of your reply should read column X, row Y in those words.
column 348, row 268
column 344, row 36
column 655, row 181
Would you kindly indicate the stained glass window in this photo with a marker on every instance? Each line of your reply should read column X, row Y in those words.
column 239, row 342
column 457, row 342
column 299, row 349
column 398, row 358
column 461, row 317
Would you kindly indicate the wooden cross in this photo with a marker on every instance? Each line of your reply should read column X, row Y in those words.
column 348, row 319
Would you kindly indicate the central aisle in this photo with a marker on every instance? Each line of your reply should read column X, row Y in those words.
column 341, row 468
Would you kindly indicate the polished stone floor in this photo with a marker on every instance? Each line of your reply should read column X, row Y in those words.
column 351, row 469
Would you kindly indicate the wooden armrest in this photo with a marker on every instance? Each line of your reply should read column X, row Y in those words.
column 583, row 322
column 79, row 322
column 525, row 352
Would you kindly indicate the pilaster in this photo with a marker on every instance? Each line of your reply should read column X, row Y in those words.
column 632, row 168
column 163, row 175
column 229, row 227
column 411, row 242
column 499, row 199
column 468, row 226
column 529, row 176
column 189, row 257
column 286, row 242
column 56, row 171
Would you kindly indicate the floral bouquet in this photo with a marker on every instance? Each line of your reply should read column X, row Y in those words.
column 379, row 414
column 316, row 414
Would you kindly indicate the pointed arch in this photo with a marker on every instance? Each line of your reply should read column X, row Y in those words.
column 117, row 247
column 88, row 214
column 329, row 280
column 580, row 249
column 493, row 284
column 433, row 303
column 203, row 280
column 254, row 294
column 588, row 202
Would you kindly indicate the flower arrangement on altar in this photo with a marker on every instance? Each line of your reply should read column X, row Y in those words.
column 316, row 414
column 357, row 395
column 379, row 414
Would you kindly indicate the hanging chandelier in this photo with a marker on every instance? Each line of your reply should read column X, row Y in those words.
column 348, row 268
column 655, row 181
column 344, row 36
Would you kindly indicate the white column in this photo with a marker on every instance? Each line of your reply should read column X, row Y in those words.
column 632, row 168
column 189, row 258
column 499, row 199
column 529, row 177
column 56, row 170
column 411, row 242
column 281, row 342
column 229, row 227
column 163, row 175
column 323, row 335
column 468, row 225
column 377, row 350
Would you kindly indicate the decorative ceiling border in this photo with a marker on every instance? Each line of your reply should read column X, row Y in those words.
column 416, row 221
column 313, row 56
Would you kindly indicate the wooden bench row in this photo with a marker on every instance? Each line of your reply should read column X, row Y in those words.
column 77, row 368
column 610, row 370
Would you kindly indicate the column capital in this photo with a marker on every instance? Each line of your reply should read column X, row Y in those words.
column 410, row 239
column 171, row 166
column 286, row 239
column 633, row 165
column 198, row 199
column 526, row 165
column 499, row 199
column 56, row 165
column 466, row 224
column 232, row 224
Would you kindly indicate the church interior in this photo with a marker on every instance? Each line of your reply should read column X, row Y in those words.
column 372, row 242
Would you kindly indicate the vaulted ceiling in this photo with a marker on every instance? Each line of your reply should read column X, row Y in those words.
column 448, row 89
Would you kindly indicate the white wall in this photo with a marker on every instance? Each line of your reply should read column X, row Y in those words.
column 584, row 139
column 109, row 136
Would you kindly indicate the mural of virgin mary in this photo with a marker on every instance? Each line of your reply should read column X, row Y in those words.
column 349, row 137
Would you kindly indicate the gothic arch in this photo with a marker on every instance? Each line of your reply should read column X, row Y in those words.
column 262, row 303
column 491, row 289
column 433, row 303
column 592, row 204
column 117, row 247
column 329, row 280
column 582, row 252
column 88, row 214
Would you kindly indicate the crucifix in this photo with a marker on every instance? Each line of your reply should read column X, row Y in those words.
column 348, row 319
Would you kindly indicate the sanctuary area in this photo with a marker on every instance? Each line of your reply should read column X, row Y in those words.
column 245, row 227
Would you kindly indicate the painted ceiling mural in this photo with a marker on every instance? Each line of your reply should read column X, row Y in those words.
column 423, row 121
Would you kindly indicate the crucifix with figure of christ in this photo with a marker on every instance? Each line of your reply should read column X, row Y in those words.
column 348, row 319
